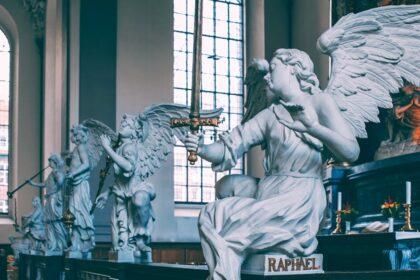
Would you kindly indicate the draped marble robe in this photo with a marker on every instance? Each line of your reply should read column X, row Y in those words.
column 285, row 213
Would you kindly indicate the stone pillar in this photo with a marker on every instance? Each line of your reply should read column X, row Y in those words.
column 55, row 79
column 255, row 48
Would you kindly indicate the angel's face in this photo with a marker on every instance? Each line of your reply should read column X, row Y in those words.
column 127, row 127
column 78, row 136
column 278, row 79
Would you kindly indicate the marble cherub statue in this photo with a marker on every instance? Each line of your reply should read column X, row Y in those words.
column 84, row 157
column 55, row 231
column 34, row 228
column 146, row 140
column 372, row 53
column 31, row 236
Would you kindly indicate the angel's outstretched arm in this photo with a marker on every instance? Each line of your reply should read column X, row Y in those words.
column 38, row 185
column 213, row 153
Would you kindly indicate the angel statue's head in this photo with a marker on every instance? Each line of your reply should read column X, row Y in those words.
column 56, row 161
column 79, row 134
column 292, row 66
column 133, row 127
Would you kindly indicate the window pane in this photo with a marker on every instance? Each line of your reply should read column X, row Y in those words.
column 222, row 66
column 179, row 22
column 222, row 28
column 5, row 66
column 207, row 100
column 180, row 79
column 194, row 194
column 180, row 41
column 194, row 176
column 235, row 31
column 181, row 178
column 236, row 105
column 222, row 47
column 236, row 85
column 180, row 157
column 180, row 193
column 235, row 50
column 180, row 61
column 222, row 11
column 180, row 6
column 222, row 83
column 4, row 43
column 208, row 194
column 235, row 13
column 207, row 82
column 208, row 26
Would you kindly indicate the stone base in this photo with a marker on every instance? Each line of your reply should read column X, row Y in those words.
column 143, row 257
column 276, row 264
column 121, row 256
column 79, row 255
column 53, row 253
column 35, row 253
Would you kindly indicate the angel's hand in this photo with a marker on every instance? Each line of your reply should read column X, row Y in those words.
column 302, row 122
column 101, row 200
column 69, row 175
column 105, row 141
column 193, row 142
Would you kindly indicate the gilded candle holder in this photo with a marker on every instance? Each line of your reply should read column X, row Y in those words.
column 407, row 225
column 338, row 229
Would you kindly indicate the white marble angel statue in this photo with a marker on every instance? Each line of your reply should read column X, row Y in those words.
column 146, row 140
column 55, row 231
column 33, row 227
column 372, row 53
column 84, row 157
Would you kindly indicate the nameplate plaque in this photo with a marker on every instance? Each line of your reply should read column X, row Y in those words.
column 275, row 264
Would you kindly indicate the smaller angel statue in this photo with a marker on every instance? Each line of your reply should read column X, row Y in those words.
column 84, row 157
column 146, row 141
column 33, row 227
column 56, row 233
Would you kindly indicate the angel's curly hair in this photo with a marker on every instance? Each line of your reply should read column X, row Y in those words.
column 139, row 125
column 80, row 128
column 57, row 159
column 303, row 68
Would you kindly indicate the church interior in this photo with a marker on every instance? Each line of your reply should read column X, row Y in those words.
column 96, row 181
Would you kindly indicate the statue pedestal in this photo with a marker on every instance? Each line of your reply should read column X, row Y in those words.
column 121, row 256
column 371, row 252
column 276, row 264
column 79, row 255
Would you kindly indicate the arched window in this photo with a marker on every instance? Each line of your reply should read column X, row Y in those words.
column 222, row 85
column 4, row 119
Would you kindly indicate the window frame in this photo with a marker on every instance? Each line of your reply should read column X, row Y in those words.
column 12, row 81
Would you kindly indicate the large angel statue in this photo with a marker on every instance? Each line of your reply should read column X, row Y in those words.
column 84, row 157
column 146, row 140
column 372, row 53
column 55, row 231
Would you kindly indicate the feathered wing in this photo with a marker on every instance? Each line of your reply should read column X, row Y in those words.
column 159, row 139
column 372, row 53
column 94, row 147
column 259, row 96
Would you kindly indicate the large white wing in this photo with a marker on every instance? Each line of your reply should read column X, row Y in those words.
column 159, row 139
column 259, row 96
column 94, row 147
column 373, row 53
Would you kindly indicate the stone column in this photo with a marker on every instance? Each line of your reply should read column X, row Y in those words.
column 255, row 48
